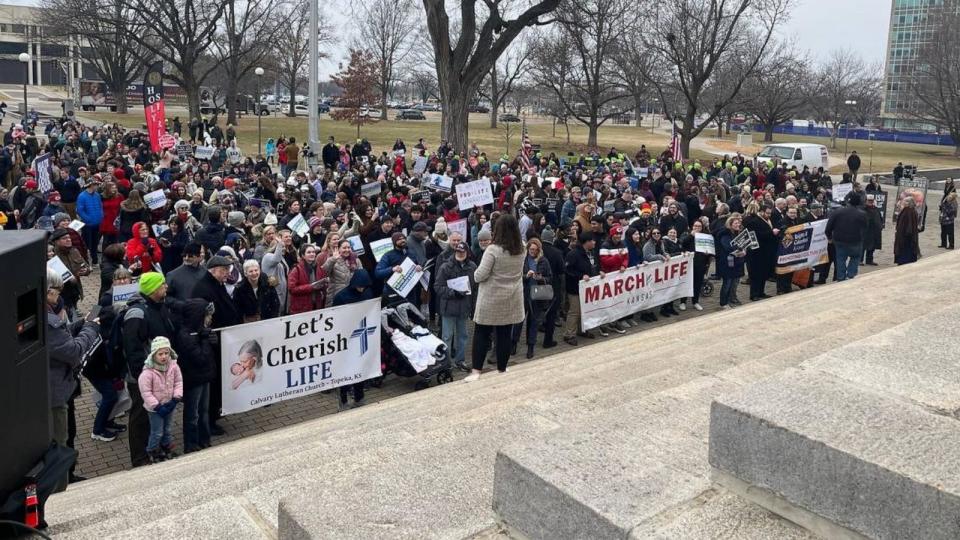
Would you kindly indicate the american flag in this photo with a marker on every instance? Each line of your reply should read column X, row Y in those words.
column 527, row 151
column 42, row 167
column 675, row 149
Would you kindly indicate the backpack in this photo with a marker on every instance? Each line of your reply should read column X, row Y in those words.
column 114, row 343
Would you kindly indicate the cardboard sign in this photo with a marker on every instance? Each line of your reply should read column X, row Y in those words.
column 155, row 199
column 299, row 226
column 356, row 245
column 370, row 189
column 704, row 244
column 184, row 151
column 122, row 293
column 440, row 183
column 61, row 269
column 203, row 152
column 473, row 194
column 420, row 164
column 840, row 191
column 404, row 281
column 166, row 141
column 76, row 225
column 380, row 248
column 459, row 226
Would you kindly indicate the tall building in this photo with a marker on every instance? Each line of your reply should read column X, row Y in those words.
column 911, row 25
column 52, row 61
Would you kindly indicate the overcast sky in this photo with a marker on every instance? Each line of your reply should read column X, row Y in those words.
column 820, row 25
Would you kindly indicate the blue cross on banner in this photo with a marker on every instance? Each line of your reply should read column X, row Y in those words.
column 41, row 164
column 363, row 331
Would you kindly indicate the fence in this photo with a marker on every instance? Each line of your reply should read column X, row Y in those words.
column 911, row 137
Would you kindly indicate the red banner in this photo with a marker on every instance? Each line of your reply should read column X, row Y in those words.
column 153, row 108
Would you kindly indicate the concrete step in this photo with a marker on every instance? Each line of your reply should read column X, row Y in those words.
column 841, row 460
column 432, row 453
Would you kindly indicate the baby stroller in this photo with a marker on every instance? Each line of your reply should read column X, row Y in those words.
column 408, row 349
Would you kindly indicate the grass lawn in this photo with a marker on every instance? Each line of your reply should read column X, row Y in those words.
column 494, row 141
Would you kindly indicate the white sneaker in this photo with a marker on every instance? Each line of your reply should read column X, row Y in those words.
column 697, row 306
column 683, row 306
column 472, row 377
column 726, row 307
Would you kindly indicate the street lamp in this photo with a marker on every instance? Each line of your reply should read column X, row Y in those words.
column 25, row 58
column 259, row 73
column 849, row 103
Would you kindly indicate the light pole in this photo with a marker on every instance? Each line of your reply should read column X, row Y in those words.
column 871, row 137
column 259, row 73
column 849, row 103
column 25, row 58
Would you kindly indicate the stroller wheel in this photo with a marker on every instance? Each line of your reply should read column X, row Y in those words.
column 422, row 385
column 376, row 382
column 444, row 377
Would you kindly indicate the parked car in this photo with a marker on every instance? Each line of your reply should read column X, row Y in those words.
column 411, row 114
column 479, row 109
column 507, row 117
column 370, row 113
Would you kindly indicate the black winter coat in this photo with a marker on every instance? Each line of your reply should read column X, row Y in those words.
column 211, row 290
column 873, row 238
column 143, row 321
column 196, row 352
column 578, row 265
column 265, row 304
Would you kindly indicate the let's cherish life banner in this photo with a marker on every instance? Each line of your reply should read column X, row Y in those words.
column 289, row 357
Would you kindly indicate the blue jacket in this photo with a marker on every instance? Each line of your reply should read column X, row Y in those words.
column 351, row 293
column 90, row 208
column 390, row 259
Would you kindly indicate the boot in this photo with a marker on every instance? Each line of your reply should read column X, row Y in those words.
column 513, row 351
column 529, row 352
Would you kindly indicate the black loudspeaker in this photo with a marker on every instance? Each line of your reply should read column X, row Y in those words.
column 25, row 430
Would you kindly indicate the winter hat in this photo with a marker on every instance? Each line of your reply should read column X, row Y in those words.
column 181, row 205
column 396, row 236
column 235, row 219
column 547, row 235
column 420, row 227
column 484, row 234
column 61, row 216
column 53, row 196
column 313, row 222
column 270, row 219
column 616, row 231
column 30, row 184
column 440, row 227
column 156, row 345
column 150, row 282
column 58, row 234
column 214, row 262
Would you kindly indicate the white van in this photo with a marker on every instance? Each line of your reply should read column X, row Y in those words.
column 796, row 154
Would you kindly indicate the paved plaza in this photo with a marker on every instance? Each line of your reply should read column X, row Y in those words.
column 100, row 458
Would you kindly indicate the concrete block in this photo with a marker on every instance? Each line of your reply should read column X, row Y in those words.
column 876, row 466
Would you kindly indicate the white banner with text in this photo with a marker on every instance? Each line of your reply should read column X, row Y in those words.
column 620, row 294
column 289, row 357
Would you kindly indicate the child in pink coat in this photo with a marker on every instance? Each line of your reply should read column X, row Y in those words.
column 161, row 386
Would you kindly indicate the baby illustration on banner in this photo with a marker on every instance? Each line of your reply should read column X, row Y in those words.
column 248, row 364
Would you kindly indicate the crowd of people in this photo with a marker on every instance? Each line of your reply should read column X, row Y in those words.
column 239, row 239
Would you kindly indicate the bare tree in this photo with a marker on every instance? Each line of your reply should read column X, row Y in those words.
column 868, row 94
column 632, row 62
column 835, row 83
column 248, row 30
column 503, row 76
column 775, row 94
column 106, row 26
column 293, row 61
column 424, row 84
column 587, row 37
column 462, row 61
column 696, row 40
column 384, row 30
column 180, row 32
column 935, row 83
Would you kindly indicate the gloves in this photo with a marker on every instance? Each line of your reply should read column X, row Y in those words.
column 165, row 409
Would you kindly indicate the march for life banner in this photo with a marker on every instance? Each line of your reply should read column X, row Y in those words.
column 803, row 246
column 289, row 357
column 619, row 294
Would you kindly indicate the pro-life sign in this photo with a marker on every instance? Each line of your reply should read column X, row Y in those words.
column 289, row 357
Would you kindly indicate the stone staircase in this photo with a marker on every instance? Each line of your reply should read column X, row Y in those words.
column 608, row 440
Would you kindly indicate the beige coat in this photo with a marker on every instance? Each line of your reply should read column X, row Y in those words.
column 500, row 292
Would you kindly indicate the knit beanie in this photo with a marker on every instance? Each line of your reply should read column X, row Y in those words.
column 158, row 343
column 150, row 282
column 235, row 219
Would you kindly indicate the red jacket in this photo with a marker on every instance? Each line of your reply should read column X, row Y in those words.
column 303, row 297
column 111, row 209
column 148, row 254
column 613, row 257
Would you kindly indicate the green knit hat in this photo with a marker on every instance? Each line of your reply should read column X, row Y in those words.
column 150, row 282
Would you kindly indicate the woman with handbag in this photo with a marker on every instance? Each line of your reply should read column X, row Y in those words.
column 537, row 294
column 499, row 279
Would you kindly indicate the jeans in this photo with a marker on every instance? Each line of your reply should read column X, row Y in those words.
column 450, row 327
column 108, row 398
column 91, row 237
column 848, row 260
column 196, row 422
column 947, row 235
column 727, row 289
column 482, row 334
column 159, row 431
